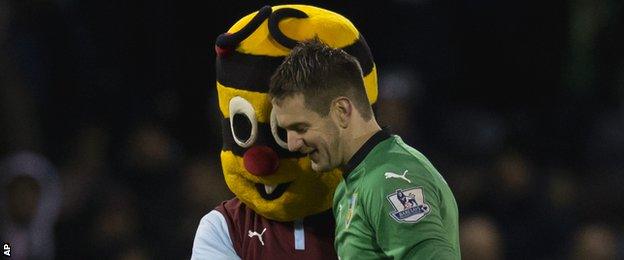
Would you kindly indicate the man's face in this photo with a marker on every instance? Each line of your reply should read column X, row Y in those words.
column 309, row 133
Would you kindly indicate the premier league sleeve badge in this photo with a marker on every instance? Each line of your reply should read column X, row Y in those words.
column 409, row 205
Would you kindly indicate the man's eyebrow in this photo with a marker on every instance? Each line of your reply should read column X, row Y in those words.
column 295, row 125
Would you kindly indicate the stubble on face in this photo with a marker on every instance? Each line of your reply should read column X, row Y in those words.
column 326, row 156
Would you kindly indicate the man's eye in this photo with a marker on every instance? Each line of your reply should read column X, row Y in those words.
column 301, row 130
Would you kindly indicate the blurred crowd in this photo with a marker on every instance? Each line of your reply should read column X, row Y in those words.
column 110, row 137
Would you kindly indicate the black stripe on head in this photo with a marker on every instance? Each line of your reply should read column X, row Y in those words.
column 246, row 71
column 253, row 72
column 264, row 138
column 359, row 49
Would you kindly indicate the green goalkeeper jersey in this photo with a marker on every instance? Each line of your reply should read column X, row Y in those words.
column 393, row 204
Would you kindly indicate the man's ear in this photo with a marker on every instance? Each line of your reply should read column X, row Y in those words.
column 342, row 110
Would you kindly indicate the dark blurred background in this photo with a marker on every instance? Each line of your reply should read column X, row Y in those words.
column 110, row 130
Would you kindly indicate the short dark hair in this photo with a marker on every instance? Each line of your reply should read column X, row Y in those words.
column 321, row 73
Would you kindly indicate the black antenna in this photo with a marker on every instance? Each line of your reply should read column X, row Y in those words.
column 226, row 40
column 274, row 20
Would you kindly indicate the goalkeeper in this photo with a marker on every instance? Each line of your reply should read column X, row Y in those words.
column 392, row 203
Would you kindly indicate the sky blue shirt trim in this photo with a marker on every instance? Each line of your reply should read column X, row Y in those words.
column 299, row 235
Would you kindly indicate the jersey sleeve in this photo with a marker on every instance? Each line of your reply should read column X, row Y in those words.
column 212, row 239
column 404, row 213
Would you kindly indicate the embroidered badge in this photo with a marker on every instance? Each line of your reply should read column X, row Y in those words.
column 409, row 205
column 350, row 210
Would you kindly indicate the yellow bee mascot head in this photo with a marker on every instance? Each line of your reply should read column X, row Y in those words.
column 258, row 168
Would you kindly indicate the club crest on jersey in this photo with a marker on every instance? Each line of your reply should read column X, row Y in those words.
column 350, row 210
column 409, row 205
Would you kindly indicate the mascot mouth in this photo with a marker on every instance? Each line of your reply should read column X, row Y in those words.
column 271, row 192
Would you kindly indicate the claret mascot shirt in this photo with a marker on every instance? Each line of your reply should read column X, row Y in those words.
column 282, row 209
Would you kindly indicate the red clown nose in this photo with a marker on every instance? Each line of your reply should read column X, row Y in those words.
column 261, row 160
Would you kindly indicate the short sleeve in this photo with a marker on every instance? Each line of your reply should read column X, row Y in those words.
column 404, row 212
column 212, row 239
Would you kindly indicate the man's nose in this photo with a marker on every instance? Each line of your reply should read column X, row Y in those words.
column 294, row 141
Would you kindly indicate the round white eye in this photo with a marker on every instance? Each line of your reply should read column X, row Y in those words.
column 243, row 122
column 279, row 134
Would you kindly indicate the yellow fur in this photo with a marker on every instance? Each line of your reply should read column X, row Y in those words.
column 370, row 83
column 260, row 101
column 309, row 192
column 330, row 27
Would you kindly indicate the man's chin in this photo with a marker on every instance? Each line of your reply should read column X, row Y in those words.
column 318, row 168
column 315, row 167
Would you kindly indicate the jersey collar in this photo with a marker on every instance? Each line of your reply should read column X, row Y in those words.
column 361, row 153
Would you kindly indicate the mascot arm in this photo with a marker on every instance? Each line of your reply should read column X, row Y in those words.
column 212, row 240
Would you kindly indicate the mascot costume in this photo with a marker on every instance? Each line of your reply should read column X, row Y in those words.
column 282, row 209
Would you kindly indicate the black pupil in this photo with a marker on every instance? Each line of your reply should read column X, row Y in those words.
column 242, row 127
column 281, row 133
